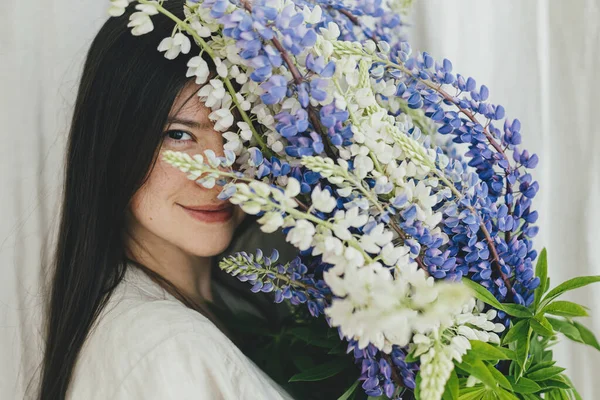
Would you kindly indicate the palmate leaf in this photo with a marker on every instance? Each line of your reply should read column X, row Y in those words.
column 474, row 393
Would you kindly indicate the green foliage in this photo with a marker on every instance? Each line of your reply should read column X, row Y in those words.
column 523, row 367
column 348, row 392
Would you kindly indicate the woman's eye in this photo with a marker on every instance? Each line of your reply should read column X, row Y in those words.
column 178, row 136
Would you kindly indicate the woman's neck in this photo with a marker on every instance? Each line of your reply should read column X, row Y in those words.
column 190, row 274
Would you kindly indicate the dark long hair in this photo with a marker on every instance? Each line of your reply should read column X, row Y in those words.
column 126, row 91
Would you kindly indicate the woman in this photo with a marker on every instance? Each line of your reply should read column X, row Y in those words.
column 128, row 315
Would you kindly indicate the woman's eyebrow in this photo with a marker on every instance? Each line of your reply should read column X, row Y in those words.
column 190, row 123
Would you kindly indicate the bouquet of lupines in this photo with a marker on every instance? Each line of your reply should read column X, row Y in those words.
column 405, row 191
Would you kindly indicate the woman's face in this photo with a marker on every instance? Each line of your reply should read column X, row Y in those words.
column 173, row 211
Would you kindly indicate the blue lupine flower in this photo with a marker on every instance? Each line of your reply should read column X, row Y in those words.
column 275, row 89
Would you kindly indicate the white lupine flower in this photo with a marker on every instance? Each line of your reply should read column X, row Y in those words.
column 224, row 119
column 149, row 9
column 140, row 22
column 436, row 367
column 233, row 142
column 214, row 95
column 244, row 104
column 363, row 165
column 262, row 189
column 245, row 131
column 173, row 46
column 117, row 7
column 364, row 98
column 199, row 68
column 221, row 67
column 301, row 235
column 293, row 188
column 322, row 200
column 391, row 254
column 240, row 77
column 271, row 221
column 201, row 30
column 332, row 32
column 312, row 16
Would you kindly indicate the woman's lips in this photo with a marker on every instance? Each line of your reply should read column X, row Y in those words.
column 206, row 214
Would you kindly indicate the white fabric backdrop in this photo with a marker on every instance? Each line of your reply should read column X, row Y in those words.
column 537, row 57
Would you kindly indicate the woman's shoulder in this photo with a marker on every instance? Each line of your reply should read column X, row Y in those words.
column 143, row 325
column 142, row 312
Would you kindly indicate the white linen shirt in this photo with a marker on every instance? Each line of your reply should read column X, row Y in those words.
column 147, row 345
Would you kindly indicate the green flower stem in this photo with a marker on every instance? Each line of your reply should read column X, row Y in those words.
column 227, row 82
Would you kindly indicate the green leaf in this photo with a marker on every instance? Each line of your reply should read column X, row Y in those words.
column 541, row 326
column 322, row 371
column 505, row 395
column 522, row 350
column 348, row 392
column 303, row 362
column 510, row 354
column 482, row 293
column 555, row 383
column 410, row 357
column 523, row 385
column 540, row 365
column 479, row 370
column 311, row 337
column 541, row 271
column 587, row 335
column 517, row 310
column 339, row 349
column 565, row 309
column 557, row 395
column 484, row 351
column 544, row 373
column 473, row 395
column 499, row 376
column 517, row 332
column 566, row 328
column 451, row 391
column 574, row 392
column 417, row 392
column 571, row 284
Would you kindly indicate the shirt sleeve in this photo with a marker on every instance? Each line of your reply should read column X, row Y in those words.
column 183, row 366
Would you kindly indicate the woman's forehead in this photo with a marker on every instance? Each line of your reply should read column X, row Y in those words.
column 188, row 105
